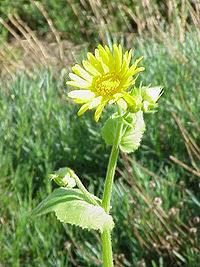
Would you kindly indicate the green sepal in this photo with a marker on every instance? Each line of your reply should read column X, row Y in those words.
column 132, row 132
column 72, row 206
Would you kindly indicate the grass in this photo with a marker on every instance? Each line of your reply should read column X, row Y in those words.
column 155, row 199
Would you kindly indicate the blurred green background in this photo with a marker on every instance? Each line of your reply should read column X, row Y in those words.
column 156, row 199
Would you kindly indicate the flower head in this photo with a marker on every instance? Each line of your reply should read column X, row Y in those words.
column 104, row 78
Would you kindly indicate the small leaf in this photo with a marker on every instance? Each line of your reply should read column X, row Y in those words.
column 72, row 206
column 132, row 135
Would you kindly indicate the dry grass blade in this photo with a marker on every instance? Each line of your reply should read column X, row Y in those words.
column 76, row 12
column 7, row 69
column 121, row 8
column 14, row 34
column 151, row 233
column 38, row 44
column 156, row 232
column 195, row 16
column 8, row 50
column 191, row 146
column 151, row 173
column 185, row 166
column 160, row 214
column 31, row 44
column 9, row 58
column 12, row 62
column 51, row 26
column 81, row 250
column 191, row 157
column 187, row 109
column 100, row 20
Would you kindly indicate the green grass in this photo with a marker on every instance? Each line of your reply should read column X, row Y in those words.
column 41, row 132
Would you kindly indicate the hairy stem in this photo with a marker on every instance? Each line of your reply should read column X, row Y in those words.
column 107, row 248
column 111, row 169
column 106, row 235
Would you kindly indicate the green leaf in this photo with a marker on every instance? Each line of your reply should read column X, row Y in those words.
column 109, row 130
column 72, row 206
column 132, row 133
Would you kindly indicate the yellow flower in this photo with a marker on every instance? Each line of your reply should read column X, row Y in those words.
column 104, row 78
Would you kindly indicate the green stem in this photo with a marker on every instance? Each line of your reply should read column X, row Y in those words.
column 107, row 248
column 106, row 235
column 111, row 169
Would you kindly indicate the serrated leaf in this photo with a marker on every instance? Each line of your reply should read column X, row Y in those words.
column 72, row 206
column 132, row 135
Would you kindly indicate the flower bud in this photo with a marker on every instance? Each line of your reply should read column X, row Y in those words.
column 64, row 177
column 150, row 95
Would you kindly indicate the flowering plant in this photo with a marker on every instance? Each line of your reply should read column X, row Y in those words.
column 105, row 78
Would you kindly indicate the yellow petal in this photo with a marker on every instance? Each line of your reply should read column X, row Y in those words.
column 103, row 54
column 96, row 52
column 118, row 56
column 82, row 101
column 83, row 83
column 133, row 67
column 92, row 58
column 98, row 111
column 83, row 109
column 90, row 68
column 81, row 72
column 111, row 63
column 104, row 67
column 129, row 57
column 134, row 80
column 137, row 70
column 124, row 69
column 95, row 102
column 78, row 84
column 96, row 63
column 82, row 94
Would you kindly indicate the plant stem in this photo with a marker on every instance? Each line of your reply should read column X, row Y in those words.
column 107, row 248
column 111, row 169
column 106, row 235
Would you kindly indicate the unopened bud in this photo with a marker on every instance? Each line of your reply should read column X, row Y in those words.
column 150, row 96
column 64, row 177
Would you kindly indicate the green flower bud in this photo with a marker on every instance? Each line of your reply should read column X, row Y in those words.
column 150, row 95
column 64, row 177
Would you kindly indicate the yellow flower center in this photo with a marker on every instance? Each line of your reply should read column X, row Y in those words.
column 107, row 84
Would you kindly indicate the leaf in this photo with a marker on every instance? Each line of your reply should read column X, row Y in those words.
column 133, row 132
column 109, row 130
column 72, row 206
